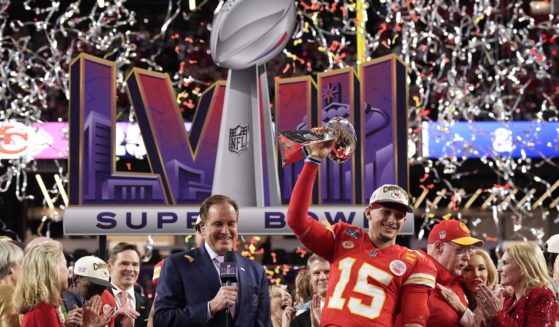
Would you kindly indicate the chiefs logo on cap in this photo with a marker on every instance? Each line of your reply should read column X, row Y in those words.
column 397, row 195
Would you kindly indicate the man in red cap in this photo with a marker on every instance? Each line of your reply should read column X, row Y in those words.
column 450, row 244
column 371, row 277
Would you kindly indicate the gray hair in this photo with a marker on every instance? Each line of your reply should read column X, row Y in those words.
column 10, row 255
column 313, row 258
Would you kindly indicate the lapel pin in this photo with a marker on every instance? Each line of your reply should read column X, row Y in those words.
column 189, row 258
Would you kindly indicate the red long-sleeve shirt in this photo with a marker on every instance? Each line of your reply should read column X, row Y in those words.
column 538, row 308
column 43, row 315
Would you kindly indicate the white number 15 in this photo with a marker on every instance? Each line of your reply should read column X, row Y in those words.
column 356, row 305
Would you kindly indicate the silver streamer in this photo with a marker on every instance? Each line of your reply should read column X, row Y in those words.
column 479, row 60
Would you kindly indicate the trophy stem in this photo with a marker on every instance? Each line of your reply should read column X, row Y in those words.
column 246, row 168
column 271, row 182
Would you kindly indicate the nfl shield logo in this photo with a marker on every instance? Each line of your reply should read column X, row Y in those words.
column 238, row 139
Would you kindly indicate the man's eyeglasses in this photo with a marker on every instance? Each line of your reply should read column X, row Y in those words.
column 461, row 249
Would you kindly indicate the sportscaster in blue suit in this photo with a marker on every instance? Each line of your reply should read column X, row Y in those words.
column 190, row 293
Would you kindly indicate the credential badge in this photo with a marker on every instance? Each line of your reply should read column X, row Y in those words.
column 238, row 139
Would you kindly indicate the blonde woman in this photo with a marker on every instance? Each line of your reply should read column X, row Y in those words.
column 44, row 277
column 533, row 302
column 281, row 306
column 10, row 269
column 303, row 291
column 480, row 271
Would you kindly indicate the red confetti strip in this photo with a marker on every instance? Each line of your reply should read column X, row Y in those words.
column 302, row 252
column 536, row 54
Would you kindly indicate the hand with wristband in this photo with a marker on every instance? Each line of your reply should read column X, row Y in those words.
column 315, row 152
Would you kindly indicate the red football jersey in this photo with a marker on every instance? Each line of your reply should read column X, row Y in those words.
column 365, row 283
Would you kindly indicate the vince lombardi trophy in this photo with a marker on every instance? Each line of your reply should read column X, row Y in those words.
column 245, row 35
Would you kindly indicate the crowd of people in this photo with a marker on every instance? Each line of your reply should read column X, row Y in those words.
column 354, row 277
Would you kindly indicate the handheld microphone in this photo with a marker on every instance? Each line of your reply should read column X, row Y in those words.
column 228, row 269
column 228, row 274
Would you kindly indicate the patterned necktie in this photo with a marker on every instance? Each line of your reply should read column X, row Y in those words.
column 218, row 260
column 126, row 322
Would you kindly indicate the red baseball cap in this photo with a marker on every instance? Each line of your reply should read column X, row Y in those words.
column 454, row 231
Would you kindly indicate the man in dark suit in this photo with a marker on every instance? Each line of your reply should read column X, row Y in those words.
column 124, row 264
column 319, row 271
column 189, row 291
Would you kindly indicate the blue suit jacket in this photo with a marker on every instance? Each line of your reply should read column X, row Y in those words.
column 189, row 280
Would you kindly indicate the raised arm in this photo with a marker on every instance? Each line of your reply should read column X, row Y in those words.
column 312, row 234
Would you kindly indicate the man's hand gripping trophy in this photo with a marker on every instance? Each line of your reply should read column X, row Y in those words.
column 336, row 140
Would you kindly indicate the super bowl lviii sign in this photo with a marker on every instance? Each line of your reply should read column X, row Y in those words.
column 230, row 148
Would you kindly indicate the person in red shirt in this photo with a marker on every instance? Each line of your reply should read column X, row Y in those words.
column 533, row 302
column 479, row 271
column 89, row 280
column 551, row 254
column 371, row 277
column 108, row 304
column 44, row 277
column 449, row 247
column 155, row 279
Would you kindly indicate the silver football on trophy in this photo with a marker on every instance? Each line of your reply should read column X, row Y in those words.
column 251, row 32
column 346, row 140
column 337, row 128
